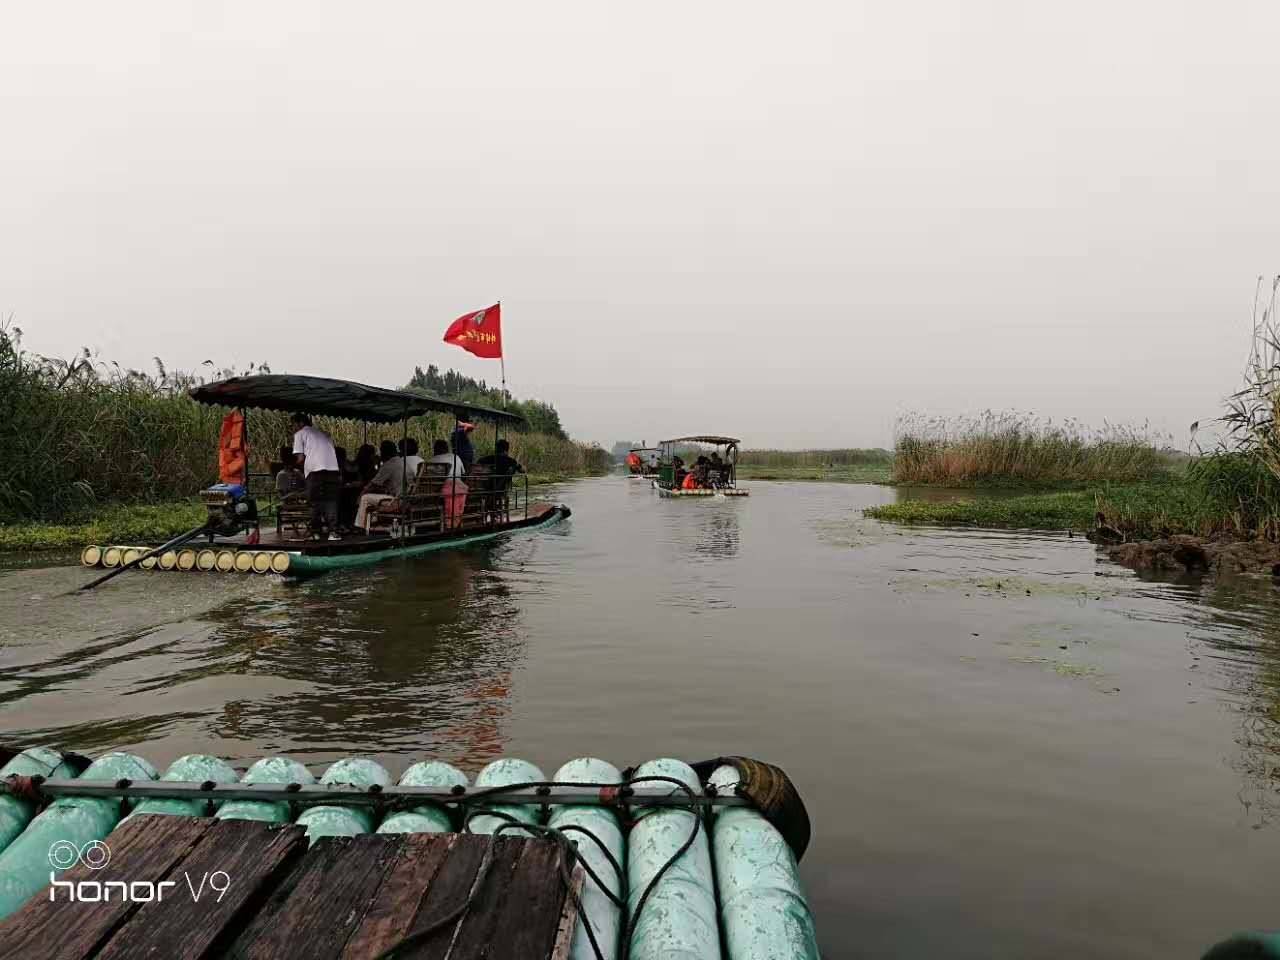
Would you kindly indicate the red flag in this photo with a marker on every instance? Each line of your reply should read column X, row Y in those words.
column 479, row 333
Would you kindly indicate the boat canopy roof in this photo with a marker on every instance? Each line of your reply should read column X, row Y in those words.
column 718, row 441
column 337, row 398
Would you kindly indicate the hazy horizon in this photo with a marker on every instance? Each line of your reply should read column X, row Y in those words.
column 790, row 226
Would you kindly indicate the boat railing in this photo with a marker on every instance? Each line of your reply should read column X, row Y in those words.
column 495, row 497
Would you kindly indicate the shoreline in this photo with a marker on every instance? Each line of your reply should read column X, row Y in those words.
column 1157, row 527
column 877, row 473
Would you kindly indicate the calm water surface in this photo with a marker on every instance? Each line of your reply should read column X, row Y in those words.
column 1008, row 748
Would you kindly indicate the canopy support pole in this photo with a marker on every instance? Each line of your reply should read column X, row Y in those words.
column 405, row 512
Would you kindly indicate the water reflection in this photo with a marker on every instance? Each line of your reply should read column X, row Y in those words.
column 1240, row 636
column 703, row 529
column 953, row 704
column 414, row 656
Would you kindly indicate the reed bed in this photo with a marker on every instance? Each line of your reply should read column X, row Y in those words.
column 1232, row 491
column 81, row 435
column 1018, row 449
column 1253, row 412
column 850, row 457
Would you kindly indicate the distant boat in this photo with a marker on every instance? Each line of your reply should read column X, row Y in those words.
column 642, row 463
column 713, row 476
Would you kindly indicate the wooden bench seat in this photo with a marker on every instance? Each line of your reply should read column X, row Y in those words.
column 421, row 509
column 293, row 514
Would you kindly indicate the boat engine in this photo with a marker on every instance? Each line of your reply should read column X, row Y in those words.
column 230, row 508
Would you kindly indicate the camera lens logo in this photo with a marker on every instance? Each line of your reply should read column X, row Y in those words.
column 63, row 855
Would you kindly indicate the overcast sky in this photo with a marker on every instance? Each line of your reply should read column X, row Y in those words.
column 788, row 222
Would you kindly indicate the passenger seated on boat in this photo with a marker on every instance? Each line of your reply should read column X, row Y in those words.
column 500, row 462
column 390, row 479
column 289, row 479
column 348, row 491
column 702, row 472
column 366, row 462
column 502, row 467
column 420, row 510
column 386, row 453
column 690, row 481
column 719, row 469
column 678, row 472
column 455, row 491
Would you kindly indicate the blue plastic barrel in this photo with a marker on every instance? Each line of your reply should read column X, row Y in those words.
column 266, row 770
column 678, row 921
column 763, row 910
column 597, row 909
column 62, row 835
column 328, row 820
column 504, row 773
column 427, row 817
column 15, row 814
column 193, row 768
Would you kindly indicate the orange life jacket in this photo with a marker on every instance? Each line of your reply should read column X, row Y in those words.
column 690, row 482
column 233, row 452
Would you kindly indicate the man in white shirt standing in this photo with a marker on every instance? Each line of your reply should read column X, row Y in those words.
column 314, row 450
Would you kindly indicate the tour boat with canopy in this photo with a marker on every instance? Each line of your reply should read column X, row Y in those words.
column 423, row 516
column 687, row 469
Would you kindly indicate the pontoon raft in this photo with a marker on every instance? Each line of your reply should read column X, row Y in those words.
column 666, row 860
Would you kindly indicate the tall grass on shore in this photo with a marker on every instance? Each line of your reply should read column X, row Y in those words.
column 814, row 458
column 1018, row 449
column 1221, row 495
column 1253, row 412
column 79, row 435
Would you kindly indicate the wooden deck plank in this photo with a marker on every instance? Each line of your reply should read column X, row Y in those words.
column 450, row 889
column 476, row 938
column 252, row 855
column 323, row 902
column 404, row 889
column 351, row 897
column 566, row 925
column 527, row 919
column 142, row 849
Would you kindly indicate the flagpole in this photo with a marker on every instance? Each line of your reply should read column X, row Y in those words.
column 502, row 362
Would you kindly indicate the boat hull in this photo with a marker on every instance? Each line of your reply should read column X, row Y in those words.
column 311, row 564
column 312, row 559
column 729, row 492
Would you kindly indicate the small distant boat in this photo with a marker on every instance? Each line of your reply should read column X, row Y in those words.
column 714, row 475
column 642, row 463
column 424, row 517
